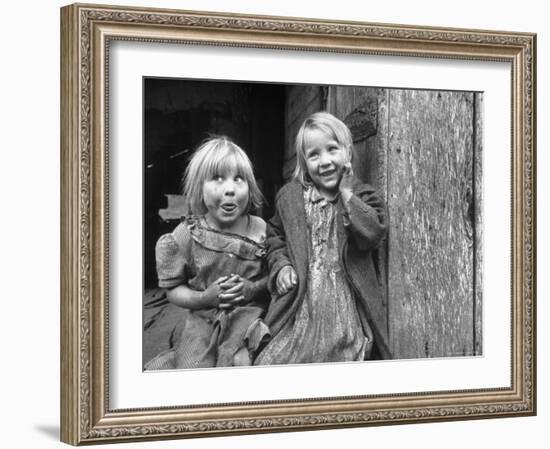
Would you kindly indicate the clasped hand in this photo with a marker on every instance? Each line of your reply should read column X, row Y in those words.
column 227, row 291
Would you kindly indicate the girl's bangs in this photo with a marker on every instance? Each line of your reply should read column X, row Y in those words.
column 225, row 162
column 330, row 131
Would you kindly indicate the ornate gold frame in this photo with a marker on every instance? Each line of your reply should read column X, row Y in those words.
column 86, row 31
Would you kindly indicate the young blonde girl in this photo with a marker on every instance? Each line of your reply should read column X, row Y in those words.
column 327, row 298
column 212, row 264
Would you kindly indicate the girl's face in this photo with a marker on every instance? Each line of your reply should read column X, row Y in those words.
column 226, row 196
column 325, row 160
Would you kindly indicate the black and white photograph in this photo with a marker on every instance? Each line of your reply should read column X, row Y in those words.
column 298, row 223
column 281, row 220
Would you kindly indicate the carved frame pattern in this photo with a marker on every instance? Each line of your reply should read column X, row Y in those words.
column 86, row 417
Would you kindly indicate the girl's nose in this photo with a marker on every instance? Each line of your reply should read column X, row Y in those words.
column 229, row 188
column 324, row 159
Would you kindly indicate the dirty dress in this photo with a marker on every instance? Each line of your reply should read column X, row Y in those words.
column 196, row 255
column 327, row 326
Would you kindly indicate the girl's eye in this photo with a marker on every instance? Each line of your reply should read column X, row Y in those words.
column 217, row 178
column 333, row 149
column 239, row 178
column 312, row 155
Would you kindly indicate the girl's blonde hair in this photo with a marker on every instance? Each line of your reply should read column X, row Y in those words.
column 214, row 157
column 332, row 127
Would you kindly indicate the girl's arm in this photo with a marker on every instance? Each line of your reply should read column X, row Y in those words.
column 255, row 289
column 184, row 296
column 277, row 252
column 172, row 256
column 244, row 291
column 213, row 296
column 367, row 219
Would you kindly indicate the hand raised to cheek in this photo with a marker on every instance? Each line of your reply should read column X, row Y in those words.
column 346, row 183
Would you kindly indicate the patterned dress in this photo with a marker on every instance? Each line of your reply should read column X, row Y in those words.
column 327, row 327
column 196, row 255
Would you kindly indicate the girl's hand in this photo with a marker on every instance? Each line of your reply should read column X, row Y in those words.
column 233, row 291
column 346, row 183
column 211, row 296
column 286, row 279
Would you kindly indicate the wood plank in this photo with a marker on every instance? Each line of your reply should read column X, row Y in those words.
column 301, row 101
column 345, row 104
column 380, row 141
column 379, row 145
column 345, row 101
column 478, row 212
column 370, row 154
column 430, row 193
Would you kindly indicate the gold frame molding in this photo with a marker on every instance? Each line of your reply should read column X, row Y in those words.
column 86, row 31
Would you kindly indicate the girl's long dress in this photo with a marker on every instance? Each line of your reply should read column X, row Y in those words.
column 327, row 327
column 196, row 255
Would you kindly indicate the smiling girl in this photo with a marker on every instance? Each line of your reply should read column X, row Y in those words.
column 326, row 294
column 212, row 264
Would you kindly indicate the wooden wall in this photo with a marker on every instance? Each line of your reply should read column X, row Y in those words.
column 301, row 101
column 431, row 280
column 422, row 150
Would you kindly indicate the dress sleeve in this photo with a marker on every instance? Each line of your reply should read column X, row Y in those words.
column 171, row 262
column 277, row 252
column 367, row 218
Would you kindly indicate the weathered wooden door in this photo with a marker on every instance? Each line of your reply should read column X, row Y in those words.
column 432, row 184
column 422, row 150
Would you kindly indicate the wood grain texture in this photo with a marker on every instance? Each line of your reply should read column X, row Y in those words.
column 430, row 190
column 370, row 149
column 301, row 101
column 478, row 213
column 358, row 108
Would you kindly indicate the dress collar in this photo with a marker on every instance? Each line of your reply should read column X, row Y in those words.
column 315, row 196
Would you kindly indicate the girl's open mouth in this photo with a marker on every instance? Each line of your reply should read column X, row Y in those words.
column 327, row 174
column 228, row 207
